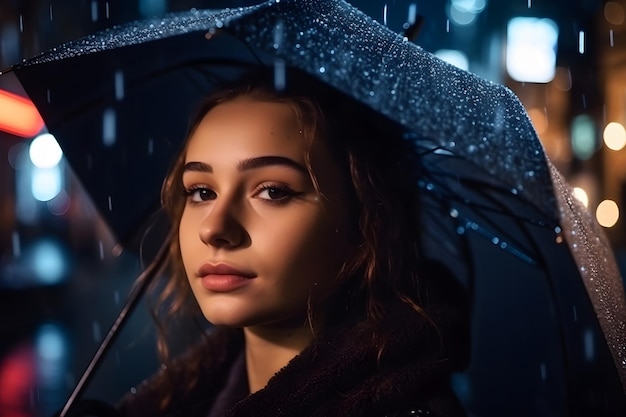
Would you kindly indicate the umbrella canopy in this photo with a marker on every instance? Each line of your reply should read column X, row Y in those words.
column 549, row 308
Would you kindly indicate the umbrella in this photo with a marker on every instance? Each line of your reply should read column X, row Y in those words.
column 549, row 309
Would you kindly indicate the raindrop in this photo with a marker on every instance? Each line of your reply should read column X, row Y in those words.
column 495, row 240
column 133, row 390
column 97, row 335
column 575, row 314
column 94, row 10
column 589, row 345
column 48, row 95
column 385, row 8
column 448, row 25
column 544, row 372
column 108, row 127
column 150, row 146
column 454, row 213
column 584, row 101
column 21, row 23
column 412, row 13
column 279, row 31
column 530, row 4
column 611, row 40
column 581, row 42
column 119, row 85
column 106, row 8
column 110, row 203
column 51, row 18
column 15, row 241
column 101, row 249
column 116, row 297
column 280, row 75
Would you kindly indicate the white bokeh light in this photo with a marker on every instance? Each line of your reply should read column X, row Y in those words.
column 531, row 49
column 46, row 183
column 581, row 195
column 454, row 57
column 44, row 151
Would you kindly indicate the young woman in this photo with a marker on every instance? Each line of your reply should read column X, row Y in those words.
column 295, row 232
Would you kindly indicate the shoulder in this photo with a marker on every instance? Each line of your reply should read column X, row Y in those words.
column 184, row 387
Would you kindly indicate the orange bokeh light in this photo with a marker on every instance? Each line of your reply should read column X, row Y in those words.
column 18, row 115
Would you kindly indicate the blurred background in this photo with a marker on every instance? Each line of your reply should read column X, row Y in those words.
column 62, row 275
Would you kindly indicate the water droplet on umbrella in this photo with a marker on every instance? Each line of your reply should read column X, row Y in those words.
column 95, row 327
column 94, row 10
column 471, row 149
column 119, row 85
column 323, row 70
column 109, row 127
column 454, row 213
column 514, row 191
column 460, row 230
column 495, row 240
column 15, row 243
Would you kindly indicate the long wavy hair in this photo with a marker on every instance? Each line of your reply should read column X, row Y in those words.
column 379, row 174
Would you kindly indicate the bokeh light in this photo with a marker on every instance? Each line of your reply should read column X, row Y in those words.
column 44, row 151
column 454, row 57
column 614, row 13
column 584, row 142
column 531, row 40
column 581, row 195
column 607, row 213
column 614, row 136
column 46, row 183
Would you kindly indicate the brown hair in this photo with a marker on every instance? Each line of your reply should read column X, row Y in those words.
column 379, row 173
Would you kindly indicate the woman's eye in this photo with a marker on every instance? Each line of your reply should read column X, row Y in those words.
column 198, row 195
column 275, row 193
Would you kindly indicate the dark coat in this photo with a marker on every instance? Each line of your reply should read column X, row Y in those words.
column 339, row 374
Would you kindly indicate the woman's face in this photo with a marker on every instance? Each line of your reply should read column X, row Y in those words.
column 256, row 238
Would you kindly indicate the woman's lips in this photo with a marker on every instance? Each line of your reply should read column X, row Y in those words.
column 223, row 277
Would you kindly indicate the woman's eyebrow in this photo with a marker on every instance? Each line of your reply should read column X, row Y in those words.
column 264, row 161
column 250, row 163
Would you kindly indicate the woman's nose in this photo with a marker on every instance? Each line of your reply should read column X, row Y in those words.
column 221, row 227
